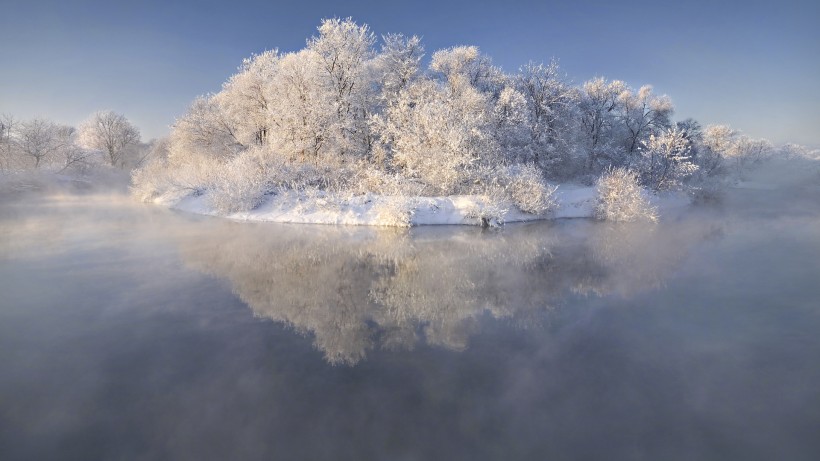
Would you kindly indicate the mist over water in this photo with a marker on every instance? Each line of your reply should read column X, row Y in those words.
column 131, row 332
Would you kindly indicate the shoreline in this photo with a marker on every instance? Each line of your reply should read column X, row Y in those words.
column 391, row 211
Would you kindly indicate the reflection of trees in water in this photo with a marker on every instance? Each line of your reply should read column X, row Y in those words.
column 356, row 289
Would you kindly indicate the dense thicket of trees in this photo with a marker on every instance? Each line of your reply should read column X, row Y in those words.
column 348, row 114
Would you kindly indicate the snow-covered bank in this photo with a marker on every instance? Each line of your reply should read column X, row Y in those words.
column 362, row 210
column 374, row 210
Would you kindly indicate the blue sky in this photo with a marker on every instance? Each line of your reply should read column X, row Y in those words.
column 753, row 65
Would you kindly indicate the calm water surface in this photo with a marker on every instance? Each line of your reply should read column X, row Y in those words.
column 131, row 332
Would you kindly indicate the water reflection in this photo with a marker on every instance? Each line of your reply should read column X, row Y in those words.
column 693, row 339
column 353, row 290
column 356, row 289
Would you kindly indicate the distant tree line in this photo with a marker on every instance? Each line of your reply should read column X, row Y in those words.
column 106, row 138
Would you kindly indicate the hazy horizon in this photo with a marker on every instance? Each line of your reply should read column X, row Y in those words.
column 747, row 65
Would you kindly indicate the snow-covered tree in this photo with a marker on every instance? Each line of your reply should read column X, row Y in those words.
column 70, row 155
column 511, row 120
column 301, row 114
column 725, row 147
column 551, row 103
column 7, row 141
column 466, row 64
column 344, row 51
column 642, row 114
column 206, row 131
column 599, row 104
column 717, row 142
column 38, row 141
column 665, row 160
column 110, row 133
column 748, row 151
column 340, row 116
column 245, row 98
column 440, row 134
column 397, row 65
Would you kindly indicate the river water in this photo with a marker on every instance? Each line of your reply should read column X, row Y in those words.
column 133, row 332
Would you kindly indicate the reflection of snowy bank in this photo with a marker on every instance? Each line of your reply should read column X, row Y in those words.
column 355, row 289
column 370, row 209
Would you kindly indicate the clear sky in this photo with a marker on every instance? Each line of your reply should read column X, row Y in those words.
column 753, row 65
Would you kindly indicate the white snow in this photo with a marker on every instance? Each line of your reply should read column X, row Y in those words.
column 575, row 201
column 292, row 207
column 358, row 210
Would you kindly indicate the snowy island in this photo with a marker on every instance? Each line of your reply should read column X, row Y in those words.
column 355, row 130
column 341, row 132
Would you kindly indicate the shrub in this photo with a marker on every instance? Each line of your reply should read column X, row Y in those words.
column 528, row 190
column 395, row 212
column 150, row 181
column 490, row 208
column 619, row 197
column 241, row 184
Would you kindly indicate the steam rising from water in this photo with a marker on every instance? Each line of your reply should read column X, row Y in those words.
column 126, row 332
column 355, row 289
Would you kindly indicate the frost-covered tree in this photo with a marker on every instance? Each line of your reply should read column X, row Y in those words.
column 466, row 64
column 395, row 68
column 599, row 104
column 665, row 160
column 301, row 115
column 693, row 132
column 724, row 147
column 110, row 133
column 511, row 125
column 642, row 114
column 397, row 65
column 8, row 144
column 717, row 142
column 747, row 152
column 344, row 51
column 439, row 135
column 245, row 98
column 551, row 103
column 719, row 138
column 70, row 155
column 206, row 131
column 38, row 141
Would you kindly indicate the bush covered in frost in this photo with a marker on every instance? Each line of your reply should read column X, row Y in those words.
column 394, row 212
column 619, row 197
column 489, row 209
column 529, row 191
column 241, row 184
column 151, row 180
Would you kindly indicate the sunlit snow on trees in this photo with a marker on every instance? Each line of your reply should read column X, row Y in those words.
column 347, row 116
